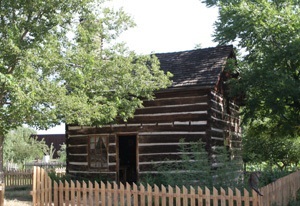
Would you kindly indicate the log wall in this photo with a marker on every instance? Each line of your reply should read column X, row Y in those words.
column 190, row 114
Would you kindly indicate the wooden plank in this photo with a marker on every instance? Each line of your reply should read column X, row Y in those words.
column 223, row 195
column 175, row 101
column 73, row 189
column 103, row 194
column 142, row 195
column 183, row 92
column 149, row 196
column 115, row 193
column 77, row 140
column 61, row 193
column 96, row 193
column 156, row 195
column 78, row 193
column 128, row 193
column 172, row 108
column 238, row 197
column 91, row 193
column 246, row 197
column 67, row 192
column 76, row 158
column 170, row 117
column 230, row 197
column 122, row 194
column 77, row 149
column 158, row 157
column 178, row 198
column 215, row 196
column 171, row 195
column 207, row 196
column 160, row 149
column 135, row 195
column 171, row 138
column 55, row 192
column 141, row 128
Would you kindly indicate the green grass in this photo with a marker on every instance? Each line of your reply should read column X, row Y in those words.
column 20, row 193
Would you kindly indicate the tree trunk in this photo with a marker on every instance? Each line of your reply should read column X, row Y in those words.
column 1, row 159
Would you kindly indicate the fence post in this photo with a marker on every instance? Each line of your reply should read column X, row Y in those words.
column 2, row 191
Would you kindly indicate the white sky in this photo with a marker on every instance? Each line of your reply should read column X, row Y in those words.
column 164, row 26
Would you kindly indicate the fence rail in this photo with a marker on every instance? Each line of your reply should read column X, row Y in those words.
column 18, row 178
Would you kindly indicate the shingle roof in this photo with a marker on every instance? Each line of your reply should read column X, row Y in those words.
column 200, row 67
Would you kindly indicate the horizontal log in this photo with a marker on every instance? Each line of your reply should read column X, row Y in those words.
column 175, row 101
column 83, row 158
column 77, row 150
column 77, row 140
column 140, row 128
column 170, row 117
column 173, row 108
column 185, row 92
column 77, row 167
column 159, row 149
column 172, row 138
column 159, row 157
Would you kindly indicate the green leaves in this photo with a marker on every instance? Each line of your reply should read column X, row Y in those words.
column 268, row 34
column 61, row 61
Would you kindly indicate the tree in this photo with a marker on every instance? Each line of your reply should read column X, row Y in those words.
column 260, row 145
column 20, row 146
column 267, row 32
column 60, row 61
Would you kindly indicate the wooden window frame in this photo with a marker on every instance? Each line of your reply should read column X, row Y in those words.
column 98, row 152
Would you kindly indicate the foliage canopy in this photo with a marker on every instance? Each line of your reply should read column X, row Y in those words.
column 60, row 61
column 268, row 34
column 20, row 147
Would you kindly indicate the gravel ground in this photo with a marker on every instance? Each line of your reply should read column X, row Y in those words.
column 17, row 202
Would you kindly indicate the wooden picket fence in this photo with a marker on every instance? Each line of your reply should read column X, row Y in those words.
column 46, row 192
column 18, row 178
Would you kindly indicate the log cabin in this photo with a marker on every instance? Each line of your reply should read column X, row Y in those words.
column 196, row 107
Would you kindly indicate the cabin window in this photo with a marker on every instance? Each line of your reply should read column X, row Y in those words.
column 98, row 151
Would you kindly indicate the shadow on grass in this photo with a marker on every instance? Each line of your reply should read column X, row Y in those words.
column 19, row 193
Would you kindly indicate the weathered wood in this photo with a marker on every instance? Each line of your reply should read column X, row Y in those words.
column 78, row 149
column 169, row 117
column 173, row 108
column 172, row 138
column 281, row 191
column 172, row 127
column 175, row 101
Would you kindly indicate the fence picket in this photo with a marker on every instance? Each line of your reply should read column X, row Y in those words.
column 55, row 193
column 128, row 194
column 156, row 195
column 84, row 195
column 171, row 194
column 200, row 196
column 103, row 194
column 238, row 197
column 142, row 195
column 192, row 199
column 90, row 193
column 178, row 199
column 96, row 197
column 73, row 193
column 78, row 192
column 149, row 196
column 207, row 196
column 115, row 193
column 223, row 197
column 163, row 195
